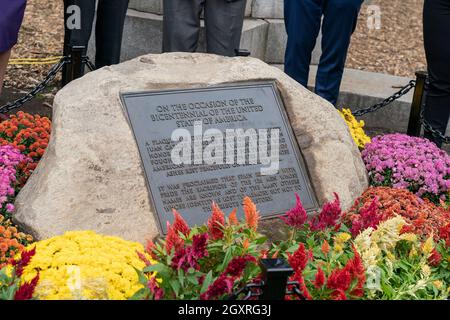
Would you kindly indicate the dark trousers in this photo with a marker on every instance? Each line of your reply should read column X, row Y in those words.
column 108, row 29
column 436, row 27
column 303, row 19
column 223, row 22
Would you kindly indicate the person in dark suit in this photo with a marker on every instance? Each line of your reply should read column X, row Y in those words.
column 108, row 31
column 223, row 22
column 303, row 22
column 436, row 28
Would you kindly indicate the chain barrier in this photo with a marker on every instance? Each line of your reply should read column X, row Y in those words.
column 253, row 291
column 88, row 63
column 428, row 127
column 38, row 89
column 386, row 101
column 437, row 134
column 250, row 291
column 42, row 85
column 403, row 91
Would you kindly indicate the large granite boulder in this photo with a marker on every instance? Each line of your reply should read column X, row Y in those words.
column 91, row 176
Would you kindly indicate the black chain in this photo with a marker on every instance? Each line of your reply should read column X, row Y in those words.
column 437, row 134
column 250, row 290
column 254, row 291
column 428, row 127
column 88, row 63
column 294, row 290
column 386, row 101
column 38, row 89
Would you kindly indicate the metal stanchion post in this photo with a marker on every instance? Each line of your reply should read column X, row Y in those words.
column 275, row 273
column 242, row 52
column 414, row 125
column 65, row 78
column 76, row 55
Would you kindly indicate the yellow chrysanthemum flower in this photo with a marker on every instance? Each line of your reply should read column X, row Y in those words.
column 355, row 127
column 83, row 265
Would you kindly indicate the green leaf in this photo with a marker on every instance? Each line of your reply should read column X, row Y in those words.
column 175, row 286
column 292, row 248
column 141, row 294
column 260, row 240
column 311, row 242
column 207, row 282
column 142, row 278
column 226, row 259
column 192, row 279
column 181, row 277
column 161, row 270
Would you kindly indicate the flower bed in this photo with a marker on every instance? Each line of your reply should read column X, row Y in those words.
column 12, row 242
column 394, row 243
column 380, row 261
column 10, row 158
column 23, row 139
column 28, row 133
column 207, row 262
column 85, row 265
column 381, row 203
column 12, row 284
column 415, row 164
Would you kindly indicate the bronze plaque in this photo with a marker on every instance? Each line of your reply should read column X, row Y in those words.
column 218, row 144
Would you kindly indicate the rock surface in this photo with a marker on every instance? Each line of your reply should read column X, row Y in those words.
column 91, row 177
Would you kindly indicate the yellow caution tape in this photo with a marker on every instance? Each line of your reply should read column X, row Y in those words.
column 34, row 61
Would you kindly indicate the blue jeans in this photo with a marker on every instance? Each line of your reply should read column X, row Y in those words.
column 303, row 19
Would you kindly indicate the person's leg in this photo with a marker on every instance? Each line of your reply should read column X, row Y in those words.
column 339, row 22
column 302, row 19
column 436, row 26
column 181, row 25
column 223, row 21
column 109, row 31
column 4, row 58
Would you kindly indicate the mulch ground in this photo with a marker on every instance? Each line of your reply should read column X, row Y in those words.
column 397, row 47
column 41, row 36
